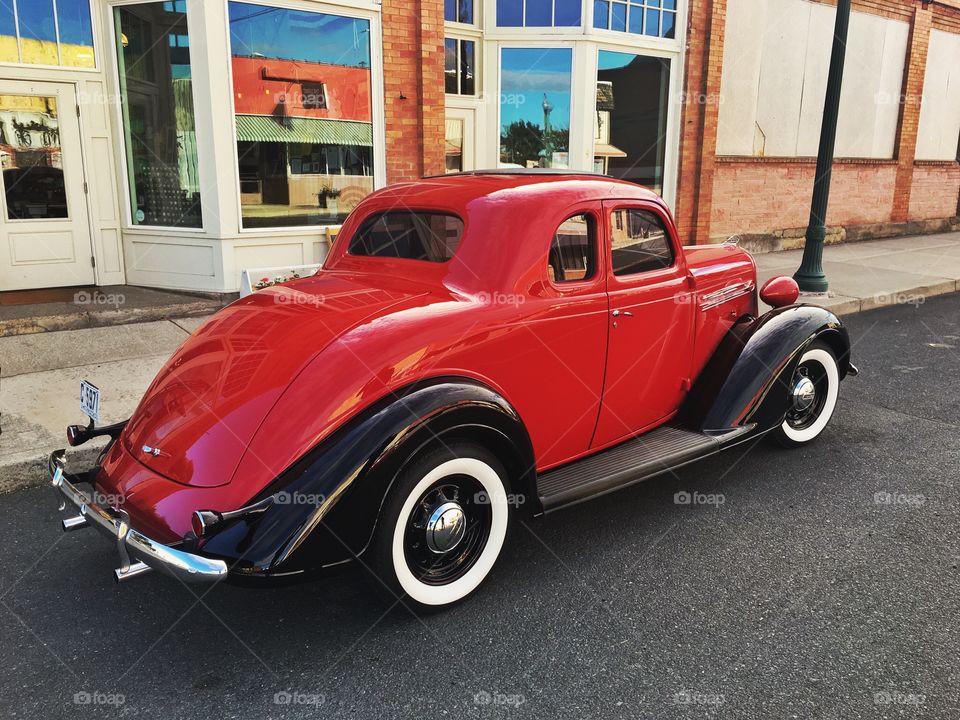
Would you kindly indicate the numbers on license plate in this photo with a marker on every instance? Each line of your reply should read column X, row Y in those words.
column 90, row 400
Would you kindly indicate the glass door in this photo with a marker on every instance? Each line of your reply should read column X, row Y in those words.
column 460, row 140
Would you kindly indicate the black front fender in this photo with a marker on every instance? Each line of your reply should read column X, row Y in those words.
column 326, row 505
column 746, row 380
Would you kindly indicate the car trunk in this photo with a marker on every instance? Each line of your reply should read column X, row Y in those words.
column 204, row 407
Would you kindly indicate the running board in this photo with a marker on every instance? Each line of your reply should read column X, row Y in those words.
column 656, row 452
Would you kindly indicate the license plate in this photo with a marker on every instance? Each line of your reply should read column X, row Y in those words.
column 90, row 400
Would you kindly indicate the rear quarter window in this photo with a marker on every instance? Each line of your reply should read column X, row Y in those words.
column 408, row 235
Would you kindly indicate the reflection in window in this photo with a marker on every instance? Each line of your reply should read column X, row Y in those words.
column 535, row 107
column 573, row 250
column 454, row 145
column 656, row 18
column 50, row 33
column 32, row 158
column 538, row 13
column 459, row 64
column 408, row 235
column 638, row 242
column 631, row 117
column 302, row 102
column 158, row 121
column 458, row 11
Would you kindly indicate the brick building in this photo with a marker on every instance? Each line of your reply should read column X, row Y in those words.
column 174, row 143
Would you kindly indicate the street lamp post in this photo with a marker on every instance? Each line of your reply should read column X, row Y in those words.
column 810, row 276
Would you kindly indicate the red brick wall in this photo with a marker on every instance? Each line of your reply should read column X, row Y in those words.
column 936, row 187
column 413, row 87
column 760, row 196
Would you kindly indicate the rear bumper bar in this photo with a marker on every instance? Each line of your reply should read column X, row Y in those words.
column 131, row 543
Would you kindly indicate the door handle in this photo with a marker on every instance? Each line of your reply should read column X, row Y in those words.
column 625, row 313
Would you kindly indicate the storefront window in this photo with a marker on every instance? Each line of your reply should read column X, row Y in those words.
column 50, row 33
column 538, row 13
column 535, row 107
column 631, row 117
column 158, row 120
column 656, row 18
column 302, row 100
column 459, row 67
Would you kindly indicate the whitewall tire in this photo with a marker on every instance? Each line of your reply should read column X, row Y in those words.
column 814, row 388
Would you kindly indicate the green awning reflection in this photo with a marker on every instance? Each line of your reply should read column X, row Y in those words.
column 312, row 131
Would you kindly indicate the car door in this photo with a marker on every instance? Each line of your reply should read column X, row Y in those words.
column 650, row 318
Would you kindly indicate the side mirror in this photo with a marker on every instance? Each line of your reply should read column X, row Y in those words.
column 780, row 291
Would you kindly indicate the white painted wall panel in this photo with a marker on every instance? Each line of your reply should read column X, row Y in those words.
column 819, row 34
column 741, row 78
column 939, row 125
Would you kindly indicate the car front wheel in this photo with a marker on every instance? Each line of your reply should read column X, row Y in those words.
column 813, row 397
column 443, row 526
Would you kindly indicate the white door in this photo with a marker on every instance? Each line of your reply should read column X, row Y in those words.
column 44, row 230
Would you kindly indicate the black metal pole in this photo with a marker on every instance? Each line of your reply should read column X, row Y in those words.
column 810, row 276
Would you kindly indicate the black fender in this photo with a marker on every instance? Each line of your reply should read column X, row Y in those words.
column 746, row 381
column 326, row 505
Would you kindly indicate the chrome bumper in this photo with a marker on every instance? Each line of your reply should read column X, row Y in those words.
column 115, row 523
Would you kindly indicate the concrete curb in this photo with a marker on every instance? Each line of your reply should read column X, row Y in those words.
column 913, row 296
column 105, row 318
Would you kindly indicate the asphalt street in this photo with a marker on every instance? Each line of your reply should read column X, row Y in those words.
column 820, row 582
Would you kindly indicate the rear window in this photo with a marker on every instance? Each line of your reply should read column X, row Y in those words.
column 410, row 235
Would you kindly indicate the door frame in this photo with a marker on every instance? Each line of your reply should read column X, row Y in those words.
column 8, row 79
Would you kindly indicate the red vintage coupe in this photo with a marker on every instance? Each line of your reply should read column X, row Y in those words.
column 475, row 346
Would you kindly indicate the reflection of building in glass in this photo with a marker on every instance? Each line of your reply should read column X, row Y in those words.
column 31, row 157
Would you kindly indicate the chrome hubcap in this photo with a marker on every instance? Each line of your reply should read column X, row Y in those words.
column 804, row 394
column 445, row 527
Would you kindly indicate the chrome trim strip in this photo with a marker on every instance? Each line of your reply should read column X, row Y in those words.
column 115, row 524
column 719, row 297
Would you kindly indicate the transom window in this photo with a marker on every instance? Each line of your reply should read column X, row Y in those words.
column 408, row 235
column 656, row 18
column 460, row 11
column 538, row 13
column 573, row 250
column 44, row 32
column 638, row 242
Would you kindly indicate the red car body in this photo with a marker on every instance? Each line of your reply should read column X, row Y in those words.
column 585, row 366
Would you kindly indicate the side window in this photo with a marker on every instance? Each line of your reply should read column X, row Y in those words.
column 639, row 242
column 408, row 235
column 573, row 251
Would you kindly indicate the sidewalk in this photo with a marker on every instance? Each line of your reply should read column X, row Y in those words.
column 42, row 371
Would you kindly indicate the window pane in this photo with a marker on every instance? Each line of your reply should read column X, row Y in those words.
column 601, row 14
column 32, row 158
column 573, row 251
column 454, row 145
column 158, row 121
column 639, row 242
column 38, row 32
column 450, row 65
column 567, row 13
column 509, row 13
column 618, row 19
column 450, row 10
column 535, row 107
column 631, row 117
column 653, row 23
column 468, row 66
column 76, row 33
column 635, row 19
column 465, row 12
column 408, row 235
column 669, row 23
column 8, row 33
column 539, row 13
column 301, row 164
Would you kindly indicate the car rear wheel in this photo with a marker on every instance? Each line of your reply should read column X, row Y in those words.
column 813, row 397
column 442, row 527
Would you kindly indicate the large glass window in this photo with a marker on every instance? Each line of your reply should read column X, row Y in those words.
column 50, row 33
column 408, row 235
column 656, row 18
column 302, row 99
column 631, row 118
column 535, row 107
column 539, row 13
column 460, row 66
column 158, row 121
column 32, row 158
